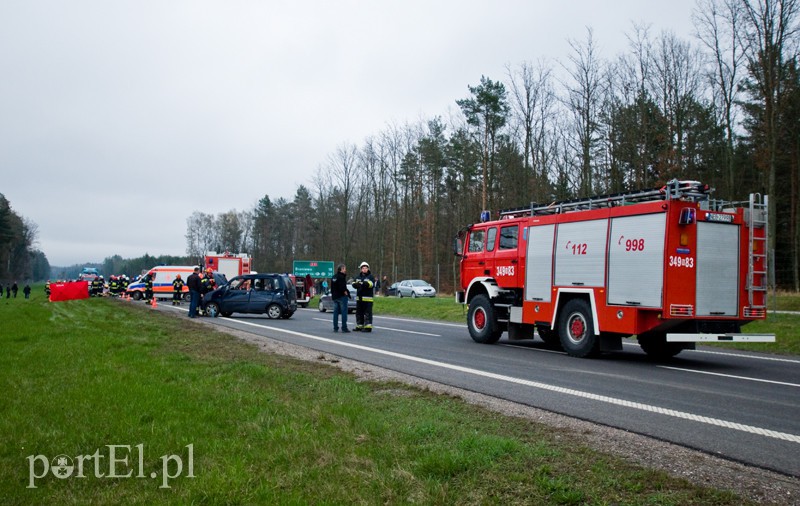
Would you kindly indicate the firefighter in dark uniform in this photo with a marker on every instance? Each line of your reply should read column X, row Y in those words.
column 97, row 286
column 113, row 286
column 177, row 290
column 148, row 287
column 365, row 289
column 207, row 284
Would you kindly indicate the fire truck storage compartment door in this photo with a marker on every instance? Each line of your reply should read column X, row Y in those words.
column 581, row 253
column 539, row 268
column 636, row 260
column 717, row 269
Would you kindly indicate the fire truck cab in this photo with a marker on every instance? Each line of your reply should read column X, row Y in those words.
column 667, row 265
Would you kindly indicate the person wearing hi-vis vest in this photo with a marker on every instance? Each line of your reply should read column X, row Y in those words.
column 365, row 290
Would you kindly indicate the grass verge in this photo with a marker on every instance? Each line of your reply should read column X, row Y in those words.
column 80, row 376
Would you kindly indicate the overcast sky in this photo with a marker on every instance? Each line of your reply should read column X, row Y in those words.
column 118, row 119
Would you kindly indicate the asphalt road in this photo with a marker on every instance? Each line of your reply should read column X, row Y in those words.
column 739, row 405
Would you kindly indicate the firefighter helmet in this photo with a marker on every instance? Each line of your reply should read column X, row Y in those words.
column 364, row 264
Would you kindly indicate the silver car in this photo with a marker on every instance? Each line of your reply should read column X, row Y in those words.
column 326, row 301
column 415, row 288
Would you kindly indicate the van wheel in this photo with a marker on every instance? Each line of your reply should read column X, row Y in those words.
column 576, row 329
column 481, row 323
column 274, row 311
column 137, row 295
column 212, row 309
column 187, row 297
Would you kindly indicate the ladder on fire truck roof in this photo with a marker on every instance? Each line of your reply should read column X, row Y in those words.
column 686, row 190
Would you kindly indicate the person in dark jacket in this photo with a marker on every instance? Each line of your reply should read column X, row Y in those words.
column 148, row 287
column 27, row 291
column 15, row 289
column 207, row 284
column 193, row 282
column 340, row 295
column 365, row 290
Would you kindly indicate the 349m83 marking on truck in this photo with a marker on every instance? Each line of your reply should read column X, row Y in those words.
column 668, row 265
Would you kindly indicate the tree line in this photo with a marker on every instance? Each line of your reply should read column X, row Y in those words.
column 722, row 108
column 20, row 260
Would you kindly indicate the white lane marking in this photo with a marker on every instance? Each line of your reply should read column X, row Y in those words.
column 534, row 349
column 728, row 354
column 551, row 388
column 729, row 376
column 426, row 322
column 388, row 328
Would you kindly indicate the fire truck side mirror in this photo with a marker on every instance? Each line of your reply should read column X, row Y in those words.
column 457, row 246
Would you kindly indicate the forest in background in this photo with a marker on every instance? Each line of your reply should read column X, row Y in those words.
column 20, row 260
column 722, row 108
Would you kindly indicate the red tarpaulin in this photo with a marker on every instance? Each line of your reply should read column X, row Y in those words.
column 69, row 291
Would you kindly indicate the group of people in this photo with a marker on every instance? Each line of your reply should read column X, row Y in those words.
column 13, row 289
column 199, row 284
column 364, row 284
column 117, row 285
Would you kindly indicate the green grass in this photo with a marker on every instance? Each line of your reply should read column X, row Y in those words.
column 79, row 376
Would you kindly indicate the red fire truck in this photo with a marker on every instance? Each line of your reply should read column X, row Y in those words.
column 669, row 265
column 229, row 264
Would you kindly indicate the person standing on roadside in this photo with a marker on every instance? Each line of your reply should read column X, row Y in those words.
column 148, row 287
column 15, row 289
column 340, row 295
column 27, row 291
column 177, row 290
column 365, row 289
column 193, row 282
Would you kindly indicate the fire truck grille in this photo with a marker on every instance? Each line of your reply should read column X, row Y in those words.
column 754, row 312
column 681, row 310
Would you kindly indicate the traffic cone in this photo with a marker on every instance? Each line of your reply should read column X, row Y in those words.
column 153, row 302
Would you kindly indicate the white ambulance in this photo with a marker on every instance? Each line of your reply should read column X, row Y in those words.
column 162, row 283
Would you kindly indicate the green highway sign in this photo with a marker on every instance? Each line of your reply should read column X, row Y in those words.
column 316, row 268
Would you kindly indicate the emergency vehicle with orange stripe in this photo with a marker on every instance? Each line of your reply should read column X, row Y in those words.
column 669, row 265
column 163, row 276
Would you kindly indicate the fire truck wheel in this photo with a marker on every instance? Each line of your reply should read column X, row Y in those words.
column 274, row 311
column 481, row 323
column 657, row 347
column 576, row 329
